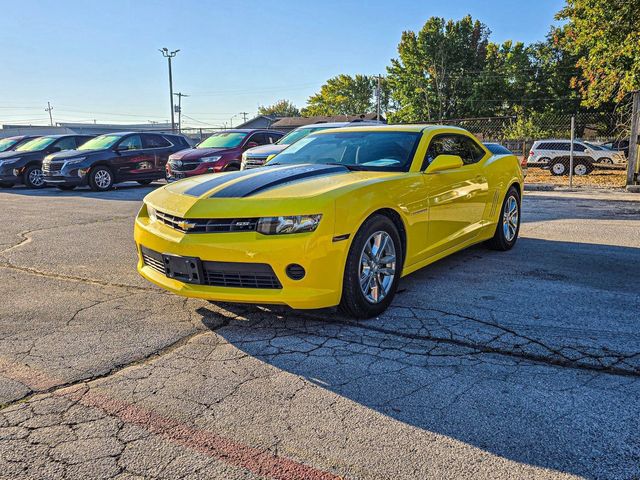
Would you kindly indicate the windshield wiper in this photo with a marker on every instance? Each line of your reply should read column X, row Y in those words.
column 348, row 167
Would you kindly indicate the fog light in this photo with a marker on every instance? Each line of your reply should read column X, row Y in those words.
column 295, row 271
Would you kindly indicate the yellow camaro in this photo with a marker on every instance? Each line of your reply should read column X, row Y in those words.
column 335, row 219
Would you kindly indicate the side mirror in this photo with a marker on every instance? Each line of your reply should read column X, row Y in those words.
column 121, row 148
column 251, row 145
column 444, row 162
column 55, row 150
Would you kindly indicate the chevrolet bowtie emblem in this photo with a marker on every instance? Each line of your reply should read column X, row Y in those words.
column 184, row 225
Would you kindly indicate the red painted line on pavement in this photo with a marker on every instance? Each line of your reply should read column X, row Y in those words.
column 255, row 460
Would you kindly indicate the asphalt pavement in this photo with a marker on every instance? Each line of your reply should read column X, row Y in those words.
column 524, row 364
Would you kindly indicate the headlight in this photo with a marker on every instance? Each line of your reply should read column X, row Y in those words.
column 292, row 224
column 211, row 159
column 75, row 161
column 152, row 213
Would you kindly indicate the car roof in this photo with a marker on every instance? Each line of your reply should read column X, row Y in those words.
column 336, row 124
column 247, row 130
column 394, row 128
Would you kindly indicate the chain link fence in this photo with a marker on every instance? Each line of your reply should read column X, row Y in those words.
column 542, row 141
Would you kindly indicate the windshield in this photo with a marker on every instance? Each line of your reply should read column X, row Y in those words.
column 101, row 143
column 36, row 144
column 223, row 140
column 7, row 143
column 384, row 151
column 298, row 134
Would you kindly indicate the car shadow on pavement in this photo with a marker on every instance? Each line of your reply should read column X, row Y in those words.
column 425, row 362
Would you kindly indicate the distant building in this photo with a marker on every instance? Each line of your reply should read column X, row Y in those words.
column 289, row 123
column 261, row 121
column 81, row 129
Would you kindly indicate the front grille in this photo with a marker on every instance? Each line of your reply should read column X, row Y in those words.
column 52, row 168
column 207, row 225
column 223, row 274
column 254, row 162
column 184, row 166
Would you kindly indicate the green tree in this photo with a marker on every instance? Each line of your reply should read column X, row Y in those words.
column 433, row 76
column 345, row 95
column 282, row 108
column 606, row 36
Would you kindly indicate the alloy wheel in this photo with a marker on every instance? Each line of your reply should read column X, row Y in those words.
column 580, row 169
column 558, row 168
column 36, row 178
column 510, row 218
column 377, row 267
column 102, row 179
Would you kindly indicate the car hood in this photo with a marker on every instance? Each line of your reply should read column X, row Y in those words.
column 280, row 190
column 265, row 150
column 197, row 153
column 69, row 154
column 12, row 154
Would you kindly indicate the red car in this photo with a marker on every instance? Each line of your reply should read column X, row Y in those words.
column 222, row 151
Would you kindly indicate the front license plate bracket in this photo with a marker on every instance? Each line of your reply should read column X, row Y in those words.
column 185, row 269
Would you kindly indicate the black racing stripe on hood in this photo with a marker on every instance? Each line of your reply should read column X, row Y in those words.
column 277, row 177
column 216, row 181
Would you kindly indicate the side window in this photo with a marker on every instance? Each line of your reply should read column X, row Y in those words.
column 67, row 143
column 578, row 147
column 134, row 142
column 259, row 138
column 545, row 146
column 452, row 144
column 82, row 140
column 273, row 137
column 563, row 146
column 155, row 141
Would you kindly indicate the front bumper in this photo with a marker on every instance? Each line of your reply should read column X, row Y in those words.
column 322, row 259
column 66, row 174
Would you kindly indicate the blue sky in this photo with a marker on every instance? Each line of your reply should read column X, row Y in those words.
column 100, row 60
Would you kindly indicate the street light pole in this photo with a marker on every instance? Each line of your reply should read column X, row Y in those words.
column 169, row 55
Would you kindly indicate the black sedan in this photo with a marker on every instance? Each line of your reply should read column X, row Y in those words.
column 24, row 164
column 113, row 158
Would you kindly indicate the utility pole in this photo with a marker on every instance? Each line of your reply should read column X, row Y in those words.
column 244, row 116
column 169, row 55
column 49, row 109
column 378, row 92
column 573, row 137
column 632, row 161
column 179, row 109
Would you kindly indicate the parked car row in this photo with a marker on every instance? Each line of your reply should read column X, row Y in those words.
column 554, row 154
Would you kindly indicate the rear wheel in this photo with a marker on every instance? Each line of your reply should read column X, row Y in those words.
column 33, row 177
column 100, row 179
column 581, row 169
column 6, row 184
column 373, row 268
column 558, row 167
column 508, row 227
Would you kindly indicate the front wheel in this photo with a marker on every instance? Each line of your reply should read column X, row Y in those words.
column 373, row 268
column 100, row 179
column 508, row 227
column 33, row 177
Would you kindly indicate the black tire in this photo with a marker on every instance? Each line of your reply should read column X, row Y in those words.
column 558, row 167
column 6, row 184
column 582, row 168
column 100, row 179
column 606, row 161
column 66, row 188
column 32, row 177
column 144, row 182
column 500, row 241
column 353, row 301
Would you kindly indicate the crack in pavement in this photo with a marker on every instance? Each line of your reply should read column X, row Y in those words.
column 201, row 329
